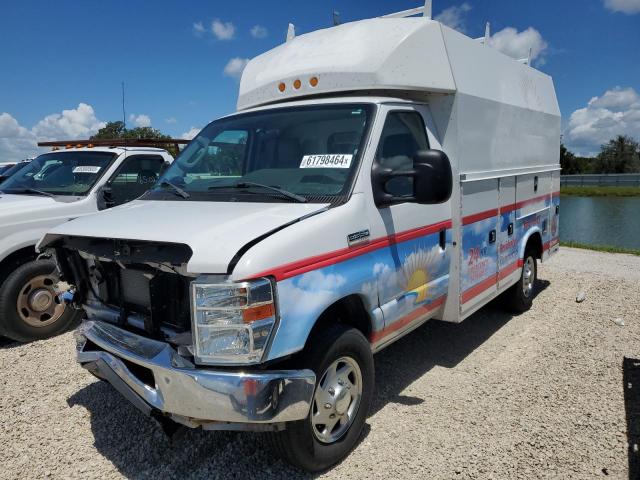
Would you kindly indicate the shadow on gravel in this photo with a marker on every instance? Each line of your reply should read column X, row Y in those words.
column 138, row 448
column 8, row 343
column 631, row 386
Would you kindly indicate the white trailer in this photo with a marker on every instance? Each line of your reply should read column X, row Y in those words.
column 377, row 174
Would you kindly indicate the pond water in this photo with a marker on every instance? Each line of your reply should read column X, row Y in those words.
column 612, row 221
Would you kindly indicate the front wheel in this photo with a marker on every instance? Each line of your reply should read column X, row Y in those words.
column 342, row 360
column 29, row 305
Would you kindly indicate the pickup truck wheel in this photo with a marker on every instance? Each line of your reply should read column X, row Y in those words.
column 342, row 360
column 520, row 296
column 29, row 304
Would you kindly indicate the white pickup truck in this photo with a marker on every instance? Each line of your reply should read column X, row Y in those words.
column 54, row 188
column 378, row 174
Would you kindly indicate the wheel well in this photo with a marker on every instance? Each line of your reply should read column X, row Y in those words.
column 15, row 259
column 349, row 311
column 535, row 242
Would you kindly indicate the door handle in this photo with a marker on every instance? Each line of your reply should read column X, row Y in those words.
column 492, row 236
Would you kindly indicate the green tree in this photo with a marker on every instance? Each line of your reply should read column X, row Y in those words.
column 568, row 161
column 620, row 155
column 117, row 130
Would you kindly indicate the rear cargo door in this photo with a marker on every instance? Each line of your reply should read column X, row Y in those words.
column 479, row 252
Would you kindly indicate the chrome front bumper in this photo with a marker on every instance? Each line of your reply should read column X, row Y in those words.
column 152, row 376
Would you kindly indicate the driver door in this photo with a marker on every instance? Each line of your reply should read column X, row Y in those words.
column 413, row 270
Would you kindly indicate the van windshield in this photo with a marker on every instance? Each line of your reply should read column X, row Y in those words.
column 309, row 151
column 59, row 173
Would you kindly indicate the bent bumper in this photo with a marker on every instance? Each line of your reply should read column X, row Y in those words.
column 155, row 379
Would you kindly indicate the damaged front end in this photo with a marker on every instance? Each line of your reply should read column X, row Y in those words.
column 131, row 283
column 138, row 299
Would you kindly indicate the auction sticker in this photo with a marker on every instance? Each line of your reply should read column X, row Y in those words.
column 333, row 160
column 86, row 169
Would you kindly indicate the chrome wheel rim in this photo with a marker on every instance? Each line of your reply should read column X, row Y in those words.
column 528, row 276
column 336, row 400
column 38, row 304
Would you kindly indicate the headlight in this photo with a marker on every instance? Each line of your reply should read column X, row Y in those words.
column 231, row 321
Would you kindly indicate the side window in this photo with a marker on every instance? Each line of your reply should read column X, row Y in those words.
column 403, row 135
column 135, row 176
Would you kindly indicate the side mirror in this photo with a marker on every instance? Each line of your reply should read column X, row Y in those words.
column 432, row 180
column 105, row 197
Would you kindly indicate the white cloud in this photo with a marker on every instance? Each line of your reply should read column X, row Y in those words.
column 223, row 31
column 198, row 29
column 235, row 67
column 192, row 132
column 517, row 44
column 258, row 31
column 170, row 120
column 454, row 17
column 16, row 142
column 628, row 7
column 70, row 124
column 141, row 120
column 616, row 112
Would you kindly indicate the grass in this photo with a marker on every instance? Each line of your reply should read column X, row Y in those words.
column 595, row 191
column 601, row 248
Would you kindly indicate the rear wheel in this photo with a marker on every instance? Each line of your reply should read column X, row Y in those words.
column 29, row 305
column 342, row 360
column 520, row 296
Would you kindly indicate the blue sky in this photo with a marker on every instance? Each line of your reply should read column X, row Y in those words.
column 63, row 61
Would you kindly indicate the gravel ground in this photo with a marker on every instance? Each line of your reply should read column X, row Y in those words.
column 537, row 395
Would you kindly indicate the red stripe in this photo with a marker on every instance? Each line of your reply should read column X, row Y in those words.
column 478, row 288
column 550, row 244
column 508, row 270
column 331, row 258
column 406, row 320
column 476, row 217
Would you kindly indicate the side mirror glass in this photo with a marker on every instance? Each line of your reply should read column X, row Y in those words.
column 432, row 180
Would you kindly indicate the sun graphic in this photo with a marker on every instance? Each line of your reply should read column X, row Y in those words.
column 415, row 272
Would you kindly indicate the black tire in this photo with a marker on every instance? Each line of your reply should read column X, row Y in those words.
column 12, row 324
column 519, row 297
column 298, row 444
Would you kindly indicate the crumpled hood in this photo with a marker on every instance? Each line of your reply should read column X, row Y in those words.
column 214, row 231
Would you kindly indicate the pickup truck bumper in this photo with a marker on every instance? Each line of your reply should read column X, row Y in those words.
column 159, row 382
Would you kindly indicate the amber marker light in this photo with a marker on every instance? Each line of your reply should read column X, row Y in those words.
column 313, row 81
column 253, row 314
column 297, row 84
column 282, row 87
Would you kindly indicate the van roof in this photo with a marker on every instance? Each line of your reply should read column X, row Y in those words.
column 399, row 54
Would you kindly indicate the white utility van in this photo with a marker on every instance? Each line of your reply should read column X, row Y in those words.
column 377, row 174
column 54, row 188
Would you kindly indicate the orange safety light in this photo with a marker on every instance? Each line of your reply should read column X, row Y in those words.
column 282, row 87
column 313, row 81
column 253, row 314
column 297, row 84
column 68, row 146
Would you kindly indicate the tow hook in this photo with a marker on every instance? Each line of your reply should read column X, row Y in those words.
column 172, row 429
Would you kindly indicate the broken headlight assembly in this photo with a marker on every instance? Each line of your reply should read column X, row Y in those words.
column 232, row 322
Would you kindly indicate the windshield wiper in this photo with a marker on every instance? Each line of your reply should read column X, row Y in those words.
column 178, row 190
column 285, row 193
column 29, row 190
